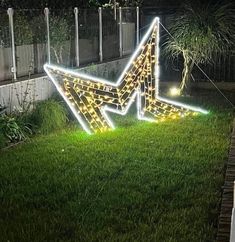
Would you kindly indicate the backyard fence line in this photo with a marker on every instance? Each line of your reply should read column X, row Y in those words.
column 85, row 37
column 29, row 38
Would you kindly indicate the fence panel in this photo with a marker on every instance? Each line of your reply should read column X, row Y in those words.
column 88, row 35
column 221, row 69
column 110, row 34
column 129, row 18
column 30, row 41
column 62, row 37
column 5, row 47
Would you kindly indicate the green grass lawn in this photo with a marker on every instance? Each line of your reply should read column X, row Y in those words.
column 141, row 182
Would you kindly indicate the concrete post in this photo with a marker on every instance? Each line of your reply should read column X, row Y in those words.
column 76, row 37
column 10, row 13
column 100, row 35
column 120, row 33
column 137, row 26
column 46, row 12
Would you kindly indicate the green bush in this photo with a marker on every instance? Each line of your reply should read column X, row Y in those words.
column 58, row 98
column 23, row 33
column 11, row 129
column 48, row 116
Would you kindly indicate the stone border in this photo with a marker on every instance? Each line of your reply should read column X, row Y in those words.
column 224, row 223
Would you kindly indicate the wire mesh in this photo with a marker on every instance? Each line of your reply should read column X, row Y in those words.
column 30, row 41
column 5, row 47
column 62, row 37
column 88, row 36
column 129, row 18
column 220, row 70
column 110, row 34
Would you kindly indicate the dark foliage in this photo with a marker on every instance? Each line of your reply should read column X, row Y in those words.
column 48, row 116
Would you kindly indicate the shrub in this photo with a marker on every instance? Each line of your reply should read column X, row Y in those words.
column 38, row 27
column 23, row 33
column 48, row 116
column 11, row 130
column 59, row 34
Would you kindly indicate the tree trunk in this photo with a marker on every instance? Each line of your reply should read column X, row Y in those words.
column 56, row 55
column 186, row 74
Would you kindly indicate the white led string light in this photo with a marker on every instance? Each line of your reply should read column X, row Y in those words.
column 90, row 98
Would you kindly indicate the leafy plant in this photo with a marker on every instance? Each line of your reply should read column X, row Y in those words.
column 11, row 129
column 59, row 33
column 4, row 31
column 125, row 3
column 132, row 3
column 38, row 27
column 200, row 31
column 22, row 31
column 48, row 116
column 94, row 3
column 25, row 97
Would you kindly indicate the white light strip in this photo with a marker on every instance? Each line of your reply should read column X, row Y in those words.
column 84, row 126
column 104, row 81
column 190, row 107
column 135, row 95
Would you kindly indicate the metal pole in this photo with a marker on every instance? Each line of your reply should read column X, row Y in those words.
column 115, row 10
column 46, row 12
column 156, row 74
column 13, row 51
column 137, row 25
column 76, row 37
column 100, row 35
column 120, row 32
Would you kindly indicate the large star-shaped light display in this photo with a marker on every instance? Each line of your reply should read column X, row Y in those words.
column 90, row 97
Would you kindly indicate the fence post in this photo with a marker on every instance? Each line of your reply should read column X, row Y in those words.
column 76, row 37
column 120, row 32
column 157, row 39
column 46, row 12
column 13, row 51
column 115, row 9
column 137, row 25
column 100, row 35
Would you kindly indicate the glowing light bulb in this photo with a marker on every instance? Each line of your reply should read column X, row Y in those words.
column 174, row 91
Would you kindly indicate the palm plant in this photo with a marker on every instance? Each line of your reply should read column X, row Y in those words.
column 200, row 31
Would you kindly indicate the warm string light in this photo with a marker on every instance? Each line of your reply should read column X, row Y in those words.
column 90, row 98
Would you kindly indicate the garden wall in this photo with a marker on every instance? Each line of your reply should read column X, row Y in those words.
column 15, row 95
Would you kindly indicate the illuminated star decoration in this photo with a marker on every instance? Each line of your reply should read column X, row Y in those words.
column 90, row 97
